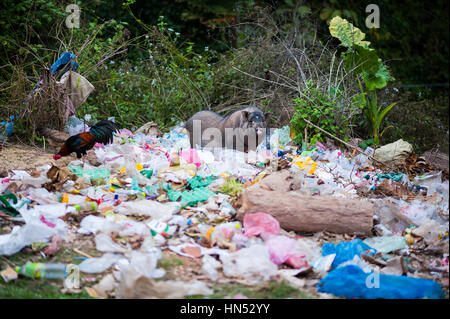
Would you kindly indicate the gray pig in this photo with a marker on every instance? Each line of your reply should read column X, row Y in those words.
column 242, row 130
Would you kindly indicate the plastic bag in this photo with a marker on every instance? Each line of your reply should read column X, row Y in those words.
column 393, row 152
column 352, row 282
column 257, row 223
column 430, row 231
column 346, row 250
column 191, row 157
column 100, row 264
column 210, row 266
column 146, row 263
column 91, row 224
column 253, row 263
column 76, row 126
column 280, row 248
column 279, row 138
column 386, row 244
column 27, row 179
column 151, row 208
column 96, row 173
column 104, row 243
column 39, row 227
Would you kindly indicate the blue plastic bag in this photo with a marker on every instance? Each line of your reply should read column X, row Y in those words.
column 346, row 250
column 8, row 126
column 62, row 65
column 352, row 282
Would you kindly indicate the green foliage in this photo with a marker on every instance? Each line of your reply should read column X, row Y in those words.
column 421, row 118
column 231, row 187
column 170, row 82
column 361, row 59
column 349, row 35
column 319, row 109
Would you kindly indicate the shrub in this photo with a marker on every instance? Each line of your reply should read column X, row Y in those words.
column 321, row 110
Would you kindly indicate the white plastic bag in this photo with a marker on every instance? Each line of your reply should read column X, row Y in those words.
column 253, row 263
column 100, row 264
column 151, row 208
column 104, row 243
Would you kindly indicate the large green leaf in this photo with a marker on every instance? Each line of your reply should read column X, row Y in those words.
column 347, row 33
column 377, row 80
column 366, row 62
column 384, row 112
column 361, row 60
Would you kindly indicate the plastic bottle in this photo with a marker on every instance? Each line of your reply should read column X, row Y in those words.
column 221, row 232
column 86, row 206
column 71, row 199
column 40, row 270
column 157, row 227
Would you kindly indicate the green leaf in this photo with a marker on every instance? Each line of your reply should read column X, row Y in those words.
column 304, row 10
column 359, row 100
column 347, row 33
column 377, row 80
column 385, row 111
column 336, row 13
column 325, row 13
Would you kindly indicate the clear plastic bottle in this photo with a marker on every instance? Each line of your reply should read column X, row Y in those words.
column 40, row 270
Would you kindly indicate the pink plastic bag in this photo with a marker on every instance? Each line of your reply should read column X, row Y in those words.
column 257, row 223
column 280, row 248
column 191, row 156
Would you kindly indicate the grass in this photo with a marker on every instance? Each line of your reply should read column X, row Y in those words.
column 170, row 262
column 27, row 288
column 269, row 290
column 231, row 187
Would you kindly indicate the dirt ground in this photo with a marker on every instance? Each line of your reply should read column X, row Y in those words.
column 21, row 156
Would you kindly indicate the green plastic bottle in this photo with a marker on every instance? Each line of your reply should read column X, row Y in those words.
column 43, row 271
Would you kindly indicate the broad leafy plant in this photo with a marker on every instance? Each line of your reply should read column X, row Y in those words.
column 361, row 59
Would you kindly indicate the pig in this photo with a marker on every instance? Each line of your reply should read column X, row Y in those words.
column 242, row 130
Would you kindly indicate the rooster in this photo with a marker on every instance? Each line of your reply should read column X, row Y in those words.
column 102, row 132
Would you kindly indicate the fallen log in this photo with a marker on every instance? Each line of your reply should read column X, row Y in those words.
column 300, row 212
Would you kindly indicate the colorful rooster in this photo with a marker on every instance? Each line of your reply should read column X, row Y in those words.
column 102, row 132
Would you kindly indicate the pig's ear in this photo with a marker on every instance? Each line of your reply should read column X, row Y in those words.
column 244, row 116
column 267, row 116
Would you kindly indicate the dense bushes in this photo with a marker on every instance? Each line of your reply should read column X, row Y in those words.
column 278, row 59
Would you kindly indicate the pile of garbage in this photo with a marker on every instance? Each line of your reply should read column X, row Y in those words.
column 323, row 220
